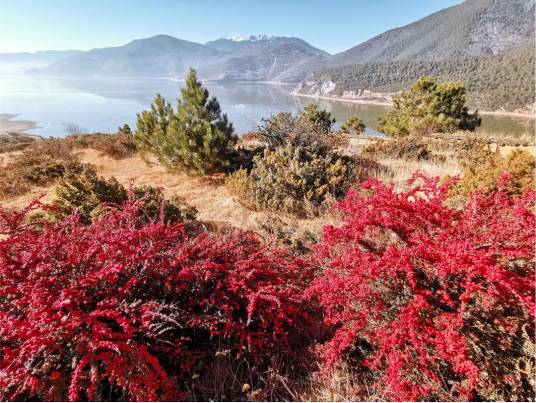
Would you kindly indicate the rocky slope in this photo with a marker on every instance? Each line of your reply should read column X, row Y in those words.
column 472, row 28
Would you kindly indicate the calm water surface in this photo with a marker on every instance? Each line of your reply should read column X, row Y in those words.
column 105, row 104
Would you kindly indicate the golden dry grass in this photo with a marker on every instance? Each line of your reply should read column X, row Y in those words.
column 208, row 195
column 400, row 170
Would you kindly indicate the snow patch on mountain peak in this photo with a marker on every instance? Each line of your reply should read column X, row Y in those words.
column 252, row 38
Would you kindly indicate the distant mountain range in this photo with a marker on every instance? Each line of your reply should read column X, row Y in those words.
column 255, row 58
column 474, row 28
column 158, row 56
column 16, row 63
column 46, row 56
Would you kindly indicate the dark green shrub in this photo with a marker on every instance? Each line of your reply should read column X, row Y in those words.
column 243, row 158
column 309, row 129
column 319, row 119
column 293, row 180
column 125, row 129
column 175, row 209
column 197, row 137
column 353, row 125
column 429, row 107
column 45, row 173
column 85, row 193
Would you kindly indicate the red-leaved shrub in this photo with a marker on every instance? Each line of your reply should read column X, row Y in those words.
column 428, row 301
column 123, row 310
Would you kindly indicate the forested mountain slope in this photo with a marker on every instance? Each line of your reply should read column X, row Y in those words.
column 504, row 81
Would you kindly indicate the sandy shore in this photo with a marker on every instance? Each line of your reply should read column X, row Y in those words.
column 385, row 103
column 8, row 125
column 347, row 100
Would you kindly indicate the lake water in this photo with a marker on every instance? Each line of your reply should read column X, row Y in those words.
column 105, row 104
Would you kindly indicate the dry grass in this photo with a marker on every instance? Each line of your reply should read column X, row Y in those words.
column 216, row 207
column 400, row 170
column 341, row 386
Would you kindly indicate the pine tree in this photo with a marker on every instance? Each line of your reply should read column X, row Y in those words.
column 320, row 119
column 429, row 107
column 197, row 137
column 125, row 129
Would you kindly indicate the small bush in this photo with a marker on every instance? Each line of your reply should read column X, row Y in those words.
column 406, row 148
column 10, row 142
column 74, row 129
column 293, row 180
column 126, row 310
column 428, row 302
column 40, row 163
column 12, row 185
column 119, row 145
column 309, row 129
column 90, row 196
column 44, row 174
column 281, row 234
column 482, row 167
column 243, row 158
column 125, row 129
column 43, row 152
column 320, row 120
column 353, row 125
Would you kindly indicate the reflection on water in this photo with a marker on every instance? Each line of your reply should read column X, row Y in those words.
column 105, row 104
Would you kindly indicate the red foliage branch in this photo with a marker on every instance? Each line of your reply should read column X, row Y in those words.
column 414, row 280
column 122, row 309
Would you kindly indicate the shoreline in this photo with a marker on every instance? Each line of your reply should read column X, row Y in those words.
column 527, row 115
column 386, row 104
column 9, row 126
column 345, row 100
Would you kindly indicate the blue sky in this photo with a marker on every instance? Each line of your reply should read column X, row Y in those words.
column 332, row 25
